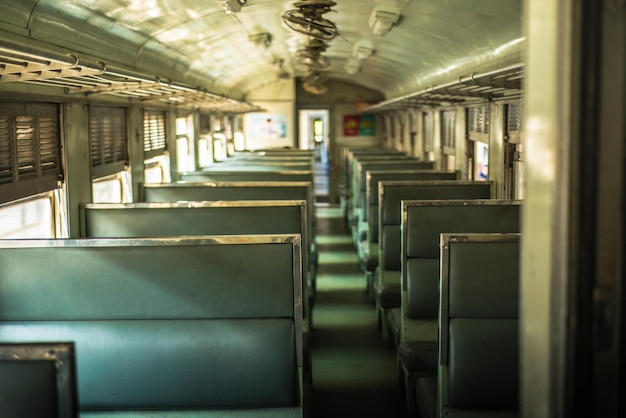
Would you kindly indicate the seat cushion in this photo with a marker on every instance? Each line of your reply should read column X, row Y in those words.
column 483, row 370
column 388, row 296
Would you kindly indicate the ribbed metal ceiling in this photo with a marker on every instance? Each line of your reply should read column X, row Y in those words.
column 196, row 43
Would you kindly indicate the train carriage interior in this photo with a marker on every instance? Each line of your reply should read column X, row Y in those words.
column 313, row 208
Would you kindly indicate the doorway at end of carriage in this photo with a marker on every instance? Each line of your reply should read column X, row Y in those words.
column 314, row 134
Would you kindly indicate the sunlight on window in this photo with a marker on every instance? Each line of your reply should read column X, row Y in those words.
column 32, row 219
column 157, row 170
column 219, row 147
column 181, row 126
column 205, row 152
column 185, row 153
column 182, row 153
column 240, row 141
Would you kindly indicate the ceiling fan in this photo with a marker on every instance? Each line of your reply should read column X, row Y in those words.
column 307, row 19
column 311, row 55
column 314, row 83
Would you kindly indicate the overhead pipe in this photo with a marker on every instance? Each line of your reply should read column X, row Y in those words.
column 45, row 58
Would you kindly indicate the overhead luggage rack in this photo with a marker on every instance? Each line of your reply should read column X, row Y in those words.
column 78, row 76
column 505, row 83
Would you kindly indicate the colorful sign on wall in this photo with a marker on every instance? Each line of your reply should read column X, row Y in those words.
column 359, row 125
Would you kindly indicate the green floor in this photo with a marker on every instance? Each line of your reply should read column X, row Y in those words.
column 353, row 375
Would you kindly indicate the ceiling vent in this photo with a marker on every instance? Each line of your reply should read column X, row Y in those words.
column 381, row 21
column 362, row 50
column 233, row 6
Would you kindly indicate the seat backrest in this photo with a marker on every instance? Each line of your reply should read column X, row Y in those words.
column 479, row 322
column 364, row 166
column 392, row 193
column 369, row 205
column 257, row 175
column 111, row 220
column 163, row 323
column 231, row 191
column 423, row 222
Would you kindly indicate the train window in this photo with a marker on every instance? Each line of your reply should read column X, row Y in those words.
column 184, row 144
column 481, row 154
column 108, row 140
column 154, row 138
column 33, row 218
column 30, row 151
column 448, row 139
column 156, row 163
column 239, row 137
column 514, row 122
column 428, row 136
column 478, row 123
column 514, row 140
column 205, row 150
column 228, row 132
column 112, row 189
column 219, row 146
column 157, row 170
column 448, row 131
column 240, row 141
column 478, row 138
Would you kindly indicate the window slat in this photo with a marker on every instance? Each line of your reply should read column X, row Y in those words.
column 478, row 123
column 154, row 133
column 448, row 130
column 30, row 151
column 107, row 136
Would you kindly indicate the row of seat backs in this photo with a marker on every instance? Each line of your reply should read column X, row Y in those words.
column 367, row 155
column 274, row 153
column 404, row 163
column 373, row 177
column 372, row 158
column 163, row 323
column 126, row 220
column 252, row 165
column 265, row 157
column 287, row 161
column 348, row 154
column 370, row 210
column 348, row 170
column 268, row 156
column 231, row 191
column 479, row 323
column 391, row 194
column 423, row 222
column 228, row 175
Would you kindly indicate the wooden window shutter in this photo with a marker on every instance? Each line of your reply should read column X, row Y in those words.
column 154, row 143
column 108, row 140
column 30, row 149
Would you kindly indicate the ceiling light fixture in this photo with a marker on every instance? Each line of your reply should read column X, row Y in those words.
column 381, row 21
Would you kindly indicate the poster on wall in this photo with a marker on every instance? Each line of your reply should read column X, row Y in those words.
column 367, row 125
column 267, row 125
column 359, row 125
